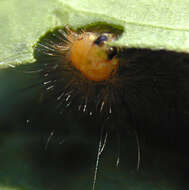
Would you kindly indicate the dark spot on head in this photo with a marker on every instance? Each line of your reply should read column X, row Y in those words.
column 112, row 51
column 101, row 39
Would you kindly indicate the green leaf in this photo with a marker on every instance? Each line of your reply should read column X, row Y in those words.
column 150, row 24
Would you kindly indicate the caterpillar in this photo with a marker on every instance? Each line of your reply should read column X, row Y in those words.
column 82, row 72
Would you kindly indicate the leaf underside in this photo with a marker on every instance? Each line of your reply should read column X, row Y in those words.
column 150, row 24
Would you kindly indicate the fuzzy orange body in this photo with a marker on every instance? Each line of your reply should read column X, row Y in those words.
column 90, row 59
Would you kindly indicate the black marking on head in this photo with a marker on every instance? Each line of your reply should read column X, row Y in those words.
column 101, row 39
column 112, row 52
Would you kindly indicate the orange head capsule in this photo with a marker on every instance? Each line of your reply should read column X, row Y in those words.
column 90, row 54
